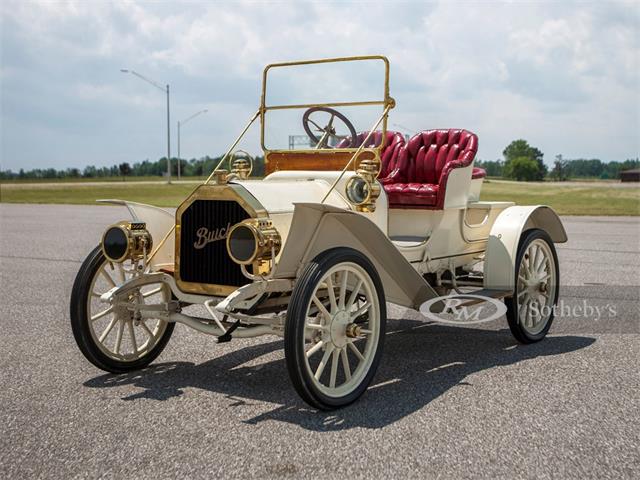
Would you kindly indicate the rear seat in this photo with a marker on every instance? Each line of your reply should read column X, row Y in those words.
column 414, row 174
column 419, row 179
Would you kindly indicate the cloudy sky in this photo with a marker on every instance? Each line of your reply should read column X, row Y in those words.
column 565, row 76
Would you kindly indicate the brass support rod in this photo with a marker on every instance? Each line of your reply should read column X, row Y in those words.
column 162, row 242
column 253, row 119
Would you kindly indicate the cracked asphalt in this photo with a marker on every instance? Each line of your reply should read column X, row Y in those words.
column 447, row 402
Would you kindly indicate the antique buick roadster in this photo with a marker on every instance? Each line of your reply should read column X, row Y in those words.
column 357, row 217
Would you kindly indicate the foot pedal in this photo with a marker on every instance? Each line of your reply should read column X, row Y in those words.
column 226, row 337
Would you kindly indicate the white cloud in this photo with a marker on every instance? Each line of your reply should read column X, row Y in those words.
column 565, row 76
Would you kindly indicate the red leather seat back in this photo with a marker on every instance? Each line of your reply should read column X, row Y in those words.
column 423, row 165
column 433, row 153
column 390, row 153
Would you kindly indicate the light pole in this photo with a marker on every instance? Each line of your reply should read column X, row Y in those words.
column 164, row 89
column 182, row 123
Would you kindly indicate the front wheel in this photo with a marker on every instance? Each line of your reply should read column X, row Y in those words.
column 335, row 328
column 110, row 338
column 530, row 311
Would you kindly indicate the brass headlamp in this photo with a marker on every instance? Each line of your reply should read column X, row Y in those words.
column 126, row 241
column 363, row 190
column 253, row 240
column 241, row 164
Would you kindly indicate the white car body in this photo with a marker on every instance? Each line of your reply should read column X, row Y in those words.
column 295, row 223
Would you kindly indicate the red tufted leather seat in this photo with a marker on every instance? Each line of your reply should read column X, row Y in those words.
column 419, row 178
column 394, row 142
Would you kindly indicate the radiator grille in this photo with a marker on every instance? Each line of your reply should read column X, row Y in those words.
column 201, row 225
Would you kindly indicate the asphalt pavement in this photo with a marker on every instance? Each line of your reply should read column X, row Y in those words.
column 447, row 402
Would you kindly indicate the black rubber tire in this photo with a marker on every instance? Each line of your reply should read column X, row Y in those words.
column 80, row 322
column 294, row 327
column 512, row 306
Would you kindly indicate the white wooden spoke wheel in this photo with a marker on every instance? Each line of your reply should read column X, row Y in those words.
column 530, row 311
column 114, row 330
column 335, row 325
column 341, row 329
column 536, row 289
column 113, row 337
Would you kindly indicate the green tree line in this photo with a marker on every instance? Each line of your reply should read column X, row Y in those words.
column 525, row 163
column 188, row 168
column 521, row 162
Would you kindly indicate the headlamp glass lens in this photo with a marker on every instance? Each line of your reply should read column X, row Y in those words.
column 358, row 190
column 115, row 243
column 242, row 244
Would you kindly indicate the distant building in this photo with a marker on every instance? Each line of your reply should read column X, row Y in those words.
column 632, row 175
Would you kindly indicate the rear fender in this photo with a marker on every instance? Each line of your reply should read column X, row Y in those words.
column 316, row 228
column 160, row 222
column 502, row 245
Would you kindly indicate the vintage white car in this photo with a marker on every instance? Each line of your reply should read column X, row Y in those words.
column 314, row 250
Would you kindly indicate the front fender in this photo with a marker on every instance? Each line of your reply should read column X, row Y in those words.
column 160, row 224
column 502, row 245
column 316, row 228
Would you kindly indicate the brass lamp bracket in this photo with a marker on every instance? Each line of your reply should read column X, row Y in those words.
column 221, row 176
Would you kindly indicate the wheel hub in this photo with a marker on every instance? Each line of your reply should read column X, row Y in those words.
column 535, row 286
column 338, row 329
column 353, row 330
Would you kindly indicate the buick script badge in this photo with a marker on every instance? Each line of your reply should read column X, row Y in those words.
column 206, row 236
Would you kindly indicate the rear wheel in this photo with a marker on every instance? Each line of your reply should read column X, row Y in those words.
column 110, row 338
column 335, row 329
column 530, row 310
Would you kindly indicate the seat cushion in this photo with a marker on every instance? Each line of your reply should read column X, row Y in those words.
column 411, row 194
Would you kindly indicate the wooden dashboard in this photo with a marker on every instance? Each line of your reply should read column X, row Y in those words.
column 311, row 160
